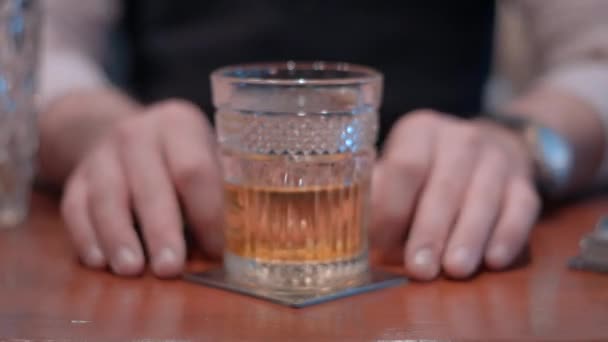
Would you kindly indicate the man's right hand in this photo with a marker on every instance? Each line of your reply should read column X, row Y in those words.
column 147, row 166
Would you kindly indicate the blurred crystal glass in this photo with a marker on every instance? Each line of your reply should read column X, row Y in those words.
column 19, row 40
column 297, row 145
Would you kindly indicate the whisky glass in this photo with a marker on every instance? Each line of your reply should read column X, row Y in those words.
column 297, row 146
column 19, row 36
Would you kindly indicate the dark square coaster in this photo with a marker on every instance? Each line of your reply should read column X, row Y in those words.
column 580, row 263
column 377, row 280
column 593, row 255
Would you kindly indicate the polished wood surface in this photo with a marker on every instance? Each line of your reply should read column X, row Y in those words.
column 46, row 295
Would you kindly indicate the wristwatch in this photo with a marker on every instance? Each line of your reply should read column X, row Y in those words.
column 552, row 153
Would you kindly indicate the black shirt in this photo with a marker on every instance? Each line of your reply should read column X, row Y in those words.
column 433, row 53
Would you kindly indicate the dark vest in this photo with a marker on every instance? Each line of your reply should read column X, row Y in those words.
column 433, row 53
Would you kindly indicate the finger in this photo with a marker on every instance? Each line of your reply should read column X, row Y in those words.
column 154, row 199
column 456, row 154
column 520, row 211
column 195, row 171
column 76, row 215
column 108, row 202
column 398, row 178
column 478, row 215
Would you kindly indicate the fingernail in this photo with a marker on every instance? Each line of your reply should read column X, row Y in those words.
column 425, row 264
column 499, row 256
column 166, row 262
column 93, row 257
column 423, row 258
column 125, row 262
column 464, row 260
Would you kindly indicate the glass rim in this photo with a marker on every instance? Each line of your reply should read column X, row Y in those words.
column 361, row 74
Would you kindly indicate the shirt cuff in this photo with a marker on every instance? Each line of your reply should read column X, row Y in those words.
column 589, row 82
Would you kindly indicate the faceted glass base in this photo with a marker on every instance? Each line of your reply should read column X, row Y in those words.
column 14, row 205
column 296, row 277
column 372, row 280
column 11, row 217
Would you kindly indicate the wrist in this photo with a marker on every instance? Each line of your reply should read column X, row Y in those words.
column 550, row 154
column 575, row 120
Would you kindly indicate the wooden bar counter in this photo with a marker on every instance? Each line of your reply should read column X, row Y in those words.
column 46, row 295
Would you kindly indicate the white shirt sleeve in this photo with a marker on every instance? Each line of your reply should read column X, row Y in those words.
column 74, row 39
column 570, row 47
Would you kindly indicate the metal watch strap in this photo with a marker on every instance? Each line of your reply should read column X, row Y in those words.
column 552, row 155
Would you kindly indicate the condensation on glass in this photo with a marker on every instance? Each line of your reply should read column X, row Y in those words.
column 297, row 144
column 19, row 41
